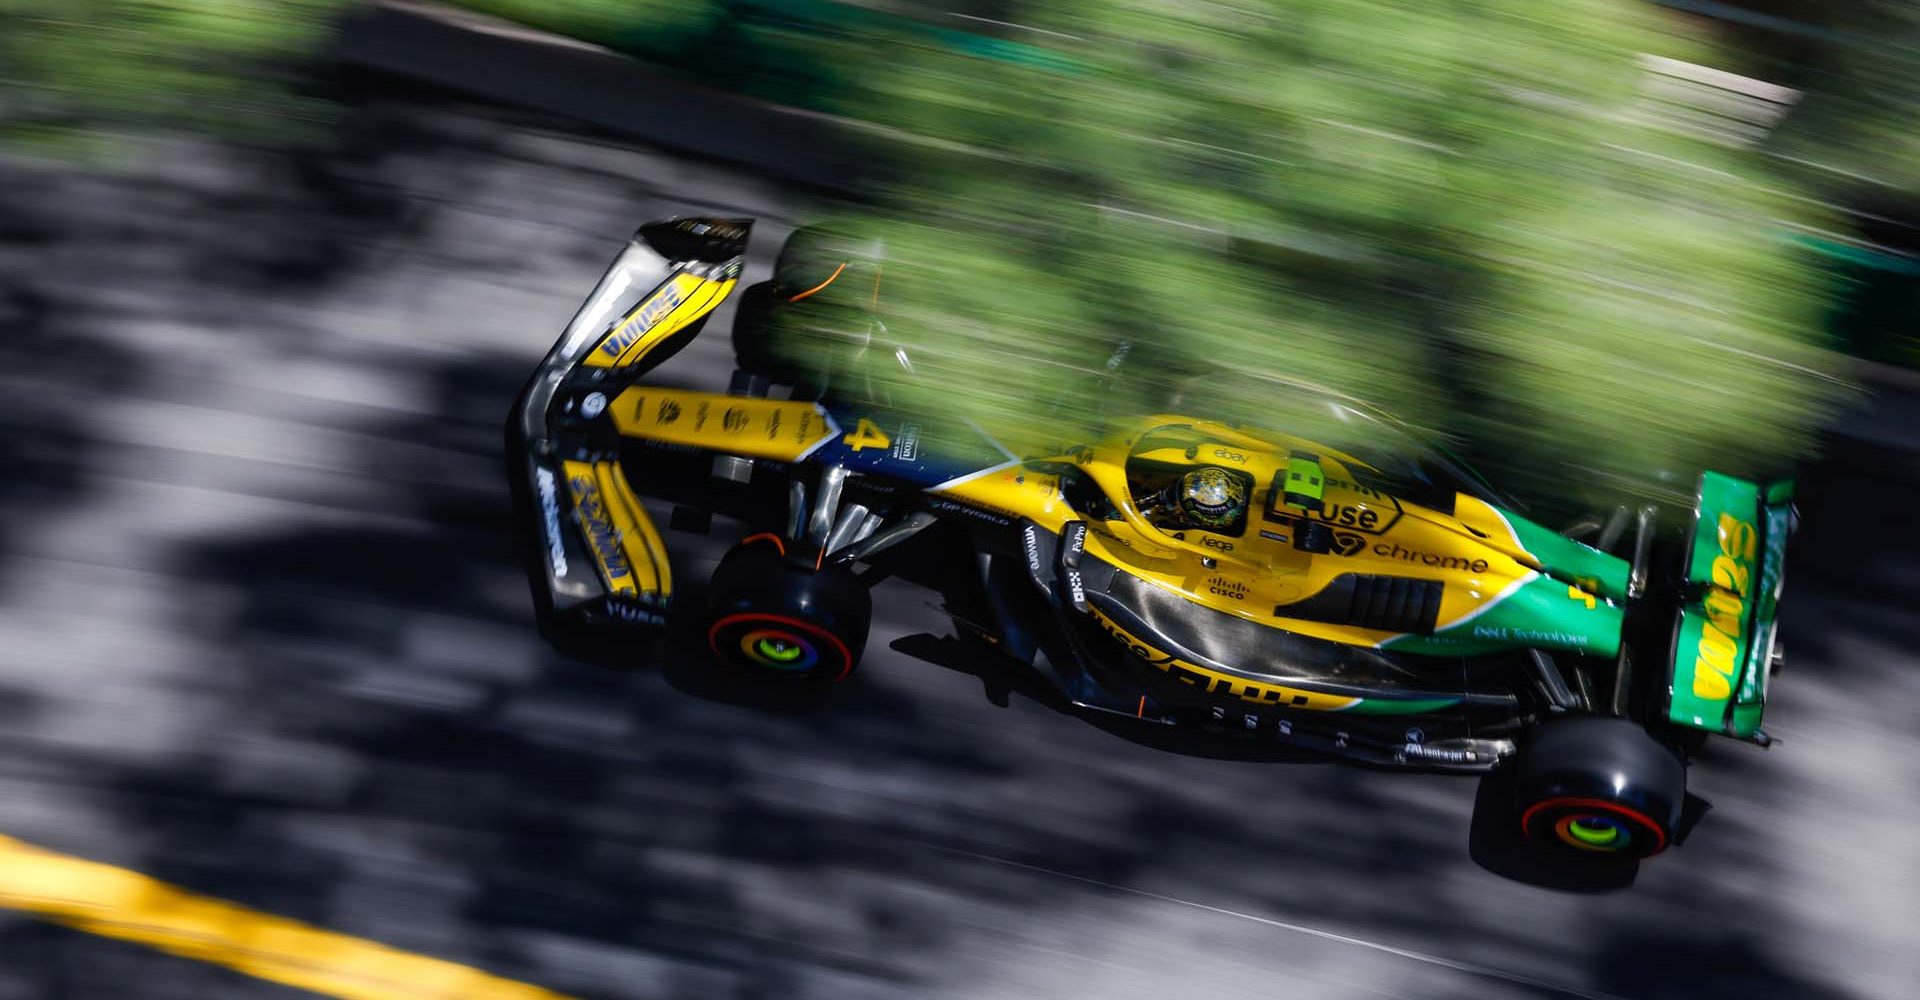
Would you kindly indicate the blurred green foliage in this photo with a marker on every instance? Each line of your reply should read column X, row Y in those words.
column 1853, row 139
column 1452, row 208
column 73, row 69
column 1856, row 126
column 1447, row 208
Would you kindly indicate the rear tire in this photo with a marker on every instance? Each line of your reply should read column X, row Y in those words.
column 1600, row 787
column 772, row 617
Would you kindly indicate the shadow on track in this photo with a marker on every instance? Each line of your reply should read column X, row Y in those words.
column 402, row 758
column 384, row 747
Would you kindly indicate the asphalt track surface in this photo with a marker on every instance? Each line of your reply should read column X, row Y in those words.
column 262, row 636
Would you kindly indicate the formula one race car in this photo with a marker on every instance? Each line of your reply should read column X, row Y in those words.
column 1374, row 600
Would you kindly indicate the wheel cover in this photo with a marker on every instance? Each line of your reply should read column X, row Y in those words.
column 779, row 649
column 1595, row 825
column 780, row 644
column 1593, row 832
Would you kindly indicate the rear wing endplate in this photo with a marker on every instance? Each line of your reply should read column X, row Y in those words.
column 1724, row 637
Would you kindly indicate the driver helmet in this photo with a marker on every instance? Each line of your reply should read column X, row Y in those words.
column 1212, row 497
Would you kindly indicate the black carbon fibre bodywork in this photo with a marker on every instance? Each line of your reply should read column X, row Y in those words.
column 1386, row 603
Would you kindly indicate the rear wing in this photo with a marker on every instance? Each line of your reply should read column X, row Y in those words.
column 1723, row 640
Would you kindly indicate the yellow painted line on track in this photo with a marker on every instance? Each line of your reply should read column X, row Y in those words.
column 118, row 903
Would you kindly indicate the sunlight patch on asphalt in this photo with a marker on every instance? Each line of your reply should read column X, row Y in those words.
column 1467, row 968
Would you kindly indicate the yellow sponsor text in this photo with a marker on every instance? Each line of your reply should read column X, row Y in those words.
column 1714, row 660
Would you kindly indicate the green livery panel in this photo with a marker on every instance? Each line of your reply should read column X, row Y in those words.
column 1723, row 643
column 1542, row 612
column 1572, row 562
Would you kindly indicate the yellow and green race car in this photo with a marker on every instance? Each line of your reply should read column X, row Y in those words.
column 1370, row 598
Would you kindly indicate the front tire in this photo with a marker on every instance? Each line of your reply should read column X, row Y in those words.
column 1599, row 787
column 772, row 617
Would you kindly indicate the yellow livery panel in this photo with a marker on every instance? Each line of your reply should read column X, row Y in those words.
column 1014, row 491
column 1259, row 570
column 783, row 430
column 625, row 545
column 666, row 312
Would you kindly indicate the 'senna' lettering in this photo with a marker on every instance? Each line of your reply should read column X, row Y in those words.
column 1713, row 664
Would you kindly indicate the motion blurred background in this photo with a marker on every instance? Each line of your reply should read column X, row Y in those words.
column 1611, row 238
column 271, row 271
